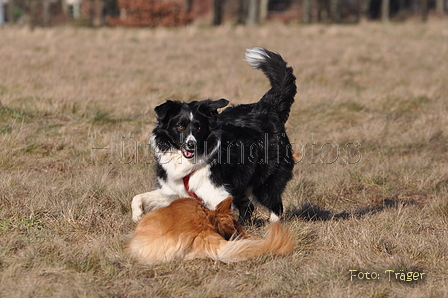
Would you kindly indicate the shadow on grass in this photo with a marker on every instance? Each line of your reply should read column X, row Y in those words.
column 312, row 212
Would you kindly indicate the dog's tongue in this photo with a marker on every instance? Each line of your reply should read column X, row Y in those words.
column 187, row 153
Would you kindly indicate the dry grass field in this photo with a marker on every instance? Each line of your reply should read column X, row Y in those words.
column 369, row 127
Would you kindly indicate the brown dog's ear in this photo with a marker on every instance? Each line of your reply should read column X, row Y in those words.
column 225, row 207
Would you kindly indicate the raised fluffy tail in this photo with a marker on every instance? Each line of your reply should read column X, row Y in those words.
column 283, row 87
column 278, row 241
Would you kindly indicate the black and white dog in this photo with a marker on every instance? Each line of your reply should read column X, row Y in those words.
column 242, row 152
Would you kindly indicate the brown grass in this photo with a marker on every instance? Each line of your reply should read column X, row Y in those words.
column 65, row 211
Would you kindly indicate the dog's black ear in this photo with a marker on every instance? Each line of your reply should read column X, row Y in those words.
column 209, row 107
column 167, row 109
column 220, row 103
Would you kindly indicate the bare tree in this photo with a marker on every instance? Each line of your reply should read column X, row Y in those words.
column 264, row 6
column 334, row 11
column 11, row 4
column 363, row 9
column 402, row 11
column 46, row 13
column 424, row 7
column 306, row 8
column 92, row 13
column 439, row 8
column 252, row 12
column 31, row 14
column 242, row 11
column 2, row 15
column 249, row 12
column 385, row 11
column 218, row 8
column 111, row 8
column 189, row 5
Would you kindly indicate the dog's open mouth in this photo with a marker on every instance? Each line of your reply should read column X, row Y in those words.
column 187, row 153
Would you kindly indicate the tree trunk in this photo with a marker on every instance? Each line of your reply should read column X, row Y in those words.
column 252, row 12
column 362, row 10
column 46, row 13
column 402, row 14
column 31, row 14
column 385, row 11
column 306, row 11
column 91, row 13
column 334, row 11
column 2, row 14
column 111, row 8
column 217, row 12
column 264, row 10
column 242, row 12
column 319, row 11
column 424, row 10
column 11, row 11
column 357, row 16
column 76, row 11
column 323, row 10
column 440, row 8
column 365, row 9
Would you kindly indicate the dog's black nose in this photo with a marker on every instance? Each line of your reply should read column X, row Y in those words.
column 190, row 144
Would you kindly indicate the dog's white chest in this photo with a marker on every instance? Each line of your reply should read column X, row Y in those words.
column 201, row 184
column 199, row 181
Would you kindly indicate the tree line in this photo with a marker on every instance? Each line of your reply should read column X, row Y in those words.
column 151, row 13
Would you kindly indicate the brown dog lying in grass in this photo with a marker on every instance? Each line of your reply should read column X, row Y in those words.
column 187, row 230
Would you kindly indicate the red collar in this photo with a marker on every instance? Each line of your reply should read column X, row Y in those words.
column 186, row 180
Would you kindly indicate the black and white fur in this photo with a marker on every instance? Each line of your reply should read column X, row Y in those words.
column 243, row 151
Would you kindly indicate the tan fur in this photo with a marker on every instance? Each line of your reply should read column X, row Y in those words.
column 186, row 230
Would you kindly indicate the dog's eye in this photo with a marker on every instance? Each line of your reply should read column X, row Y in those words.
column 198, row 128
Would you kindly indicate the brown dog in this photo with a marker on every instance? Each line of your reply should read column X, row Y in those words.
column 187, row 230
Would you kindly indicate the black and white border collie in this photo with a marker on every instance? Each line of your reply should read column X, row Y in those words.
column 242, row 152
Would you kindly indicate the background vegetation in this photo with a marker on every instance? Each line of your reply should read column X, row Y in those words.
column 369, row 126
column 171, row 13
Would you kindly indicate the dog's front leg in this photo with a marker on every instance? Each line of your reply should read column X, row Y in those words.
column 137, row 205
column 149, row 201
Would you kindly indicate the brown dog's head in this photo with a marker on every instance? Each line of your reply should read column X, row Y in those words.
column 225, row 223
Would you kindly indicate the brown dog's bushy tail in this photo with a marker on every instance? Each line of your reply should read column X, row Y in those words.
column 278, row 241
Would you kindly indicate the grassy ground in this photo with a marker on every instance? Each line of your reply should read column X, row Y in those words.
column 369, row 127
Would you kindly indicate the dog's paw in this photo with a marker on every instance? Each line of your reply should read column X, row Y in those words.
column 273, row 217
column 137, row 216
column 137, row 212
column 137, row 207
